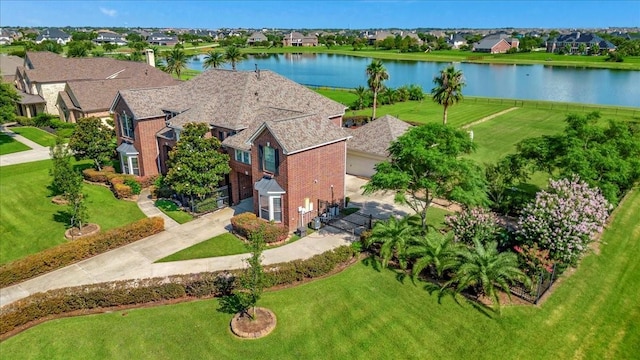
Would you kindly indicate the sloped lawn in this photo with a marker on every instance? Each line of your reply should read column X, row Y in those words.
column 221, row 245
column 36, row 135
column 31, row 222
column 173, row 211
column 9, row 146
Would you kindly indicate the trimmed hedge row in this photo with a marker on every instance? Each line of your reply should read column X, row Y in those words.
column 74, row 251
column 119, row 293
column 246, row 224
column 122, row 185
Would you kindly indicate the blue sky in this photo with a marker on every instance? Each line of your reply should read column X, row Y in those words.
column 360, row 14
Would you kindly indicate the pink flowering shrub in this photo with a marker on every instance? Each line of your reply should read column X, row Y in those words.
column 563, row 219
column 473, row 223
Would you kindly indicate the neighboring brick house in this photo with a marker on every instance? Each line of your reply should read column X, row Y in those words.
column 496, row 44
column 78, row 87
column 574, row 40
column 286, row 143
column 55, row 35
column 298, row 39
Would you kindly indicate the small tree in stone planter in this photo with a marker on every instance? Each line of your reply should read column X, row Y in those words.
column 252, row 281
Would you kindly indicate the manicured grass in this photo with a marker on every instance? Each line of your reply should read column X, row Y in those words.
column 31, row 222
column 171, row 210
column 365, row 314
column 8, row 145
column 221, row 245
column 36, row 135
column 497, row 137
column 343, row 97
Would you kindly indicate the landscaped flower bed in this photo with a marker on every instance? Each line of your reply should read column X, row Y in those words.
column 247, row 224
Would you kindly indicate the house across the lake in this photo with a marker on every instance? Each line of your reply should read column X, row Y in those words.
column 286, row 143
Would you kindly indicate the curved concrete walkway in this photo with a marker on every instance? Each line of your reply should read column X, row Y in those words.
column 148, row 207
column 37, row 152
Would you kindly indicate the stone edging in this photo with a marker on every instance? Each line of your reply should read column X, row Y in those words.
column 257, row 334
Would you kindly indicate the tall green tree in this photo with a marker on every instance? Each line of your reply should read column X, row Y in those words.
column 448, row 89
column 8, row 98
column 233, row 55
column 66, row 180
column 361, row 93
column 485, row 270
column 605, row 156
column 213, row 59
column 196, row 165
column 93, row 140
column 393, row 236
column 426, row 163
column 377, row 74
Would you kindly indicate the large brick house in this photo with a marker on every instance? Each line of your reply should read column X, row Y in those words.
column 286, row 143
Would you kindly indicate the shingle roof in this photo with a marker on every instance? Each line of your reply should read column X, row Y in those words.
column 49, row 67
column 93, row 95
column 376, row 136
column 67, row 100
column 26, row 99
column 53, row 33
column 229, row 99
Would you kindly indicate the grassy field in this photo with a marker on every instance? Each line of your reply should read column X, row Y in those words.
column 171, row 210
column 360, row 313
column 36, row 135
column 221, row 245
column 8, row 145
column 31, row 222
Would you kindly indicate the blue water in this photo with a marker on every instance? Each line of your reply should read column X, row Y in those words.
column 533, row 82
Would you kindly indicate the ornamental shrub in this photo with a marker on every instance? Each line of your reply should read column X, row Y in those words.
column 563, row 219
column 473, row 223
column 133, row 185
column 246, row 224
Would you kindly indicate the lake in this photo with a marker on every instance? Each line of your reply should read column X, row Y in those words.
column 533, row 82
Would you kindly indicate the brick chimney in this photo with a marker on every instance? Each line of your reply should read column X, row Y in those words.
column 151, row 59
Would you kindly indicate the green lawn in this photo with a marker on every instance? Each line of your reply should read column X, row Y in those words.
column 171, row 210
column 36, row 135
column 221, row 245
column 364, row 314
column 31, row 222
column 8, row 145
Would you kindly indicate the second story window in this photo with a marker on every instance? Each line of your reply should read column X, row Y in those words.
column 269, row 162
column 243, row 156
column 126, row 126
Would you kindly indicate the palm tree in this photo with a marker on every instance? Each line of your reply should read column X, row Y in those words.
column 361, row 93
column 394, row 236
column 377, row 74
column 213, row 59
column 448, row 89
column 434, row 251
column 486, row 270
column 233, row 55
column 176, row 61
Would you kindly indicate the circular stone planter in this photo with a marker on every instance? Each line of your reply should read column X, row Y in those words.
column 87, row 230
column 243, row 326
column 59, row 200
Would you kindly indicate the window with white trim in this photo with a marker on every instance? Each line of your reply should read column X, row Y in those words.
column 243, row 156
column 269, row 159
column 271, row 207
column 126, row 125
column 129, row 164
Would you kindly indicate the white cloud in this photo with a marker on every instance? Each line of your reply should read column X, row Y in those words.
column 109, row 12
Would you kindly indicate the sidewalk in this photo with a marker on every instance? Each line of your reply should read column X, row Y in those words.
column 148, row 207
column 37, row 152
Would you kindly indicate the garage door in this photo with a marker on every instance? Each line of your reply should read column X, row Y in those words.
column 360, row 165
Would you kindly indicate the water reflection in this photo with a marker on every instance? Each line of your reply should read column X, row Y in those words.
column 537, row 82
